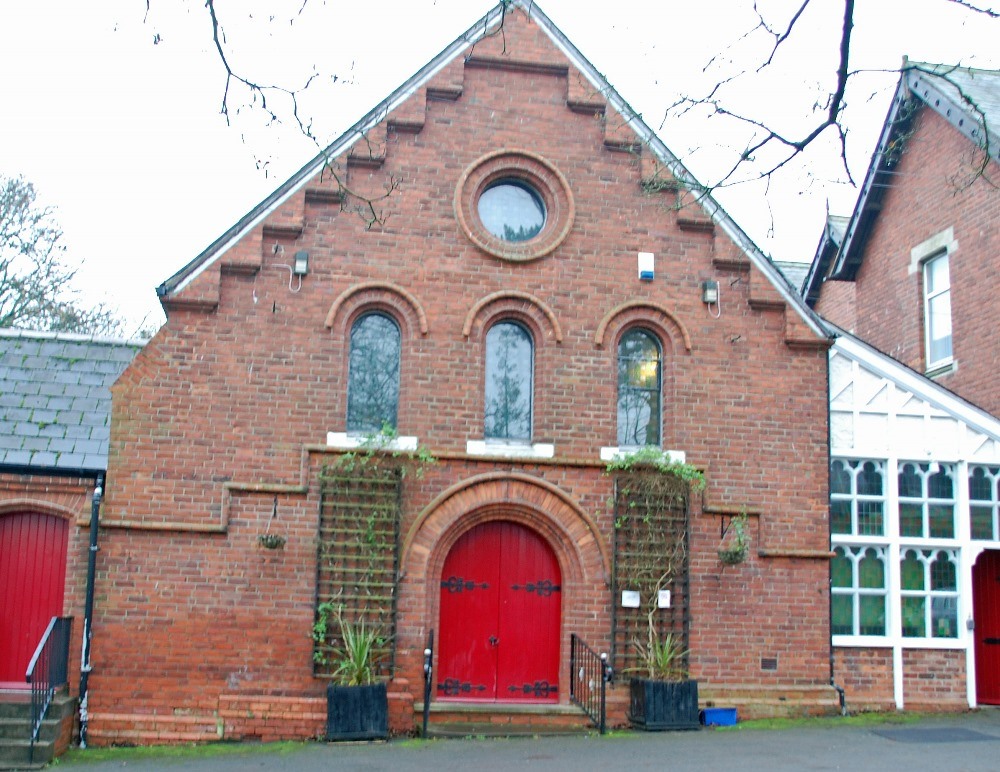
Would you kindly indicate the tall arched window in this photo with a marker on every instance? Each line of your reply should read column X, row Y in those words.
column 373, row 377
column 509, row 366
column 638, row 389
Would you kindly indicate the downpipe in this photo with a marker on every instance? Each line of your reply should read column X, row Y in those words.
column 88, row 609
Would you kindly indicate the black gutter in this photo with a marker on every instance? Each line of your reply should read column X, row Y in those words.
column 53, row 471
column 88, row 610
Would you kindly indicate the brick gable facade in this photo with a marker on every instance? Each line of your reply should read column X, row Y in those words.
column 220, row 424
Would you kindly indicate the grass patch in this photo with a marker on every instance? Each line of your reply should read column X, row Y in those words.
column 857, row 719
column 78, row 757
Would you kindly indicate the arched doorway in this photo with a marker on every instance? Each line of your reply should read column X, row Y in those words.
column 32, row 583
column 500, row 617
column 986, row 612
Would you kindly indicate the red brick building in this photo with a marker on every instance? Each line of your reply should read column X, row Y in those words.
column 922, row 243
column 915, row 464
column 505, row 265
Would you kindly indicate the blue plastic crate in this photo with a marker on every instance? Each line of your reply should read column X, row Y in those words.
column 718, row 717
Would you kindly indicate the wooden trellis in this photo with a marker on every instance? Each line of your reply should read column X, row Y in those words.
column 650, row 554
column 359, row 553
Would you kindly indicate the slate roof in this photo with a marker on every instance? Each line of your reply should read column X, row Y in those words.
column 967, row 98
column 55, row 398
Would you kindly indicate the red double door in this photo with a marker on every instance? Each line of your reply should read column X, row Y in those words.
column 986, row 611
column 499, row 617
column 32, row 582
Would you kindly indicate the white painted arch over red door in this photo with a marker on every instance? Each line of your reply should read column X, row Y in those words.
column 500, row 617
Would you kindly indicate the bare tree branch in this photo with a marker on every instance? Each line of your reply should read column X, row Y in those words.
column 973, row 7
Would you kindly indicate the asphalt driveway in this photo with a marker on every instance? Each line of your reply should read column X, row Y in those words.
column 966, row 742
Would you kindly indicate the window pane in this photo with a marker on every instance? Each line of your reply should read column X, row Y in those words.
column 936, row 272
column 909, row 482
column 982, row 522
column 842, row 615
column 914, row 622
column 871, row 571
column 869, row 480
column 942, row 521
column 940, row 327
column 911, row 572
column 512, row 210
column 939, row 485
column 840, row 514
column 980, row 486
column 944, row 617
column 373, row 376
column 841, row 570
column 943, row 573
column 911, row 519
column 508, row 382
column 840, row 478
column 638, row 390
column 870, row 518
column 872, row 615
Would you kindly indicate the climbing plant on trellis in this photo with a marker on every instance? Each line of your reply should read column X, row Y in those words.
column 358, row 555
column 650, row 556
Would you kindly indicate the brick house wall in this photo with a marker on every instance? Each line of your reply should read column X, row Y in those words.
column 201, row 634
column 935, row 188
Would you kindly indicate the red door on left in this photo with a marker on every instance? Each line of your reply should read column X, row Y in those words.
column 32, row 583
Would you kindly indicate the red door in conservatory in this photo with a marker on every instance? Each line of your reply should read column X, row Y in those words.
column 32, row 581
column 500, row 617
column 986, row 612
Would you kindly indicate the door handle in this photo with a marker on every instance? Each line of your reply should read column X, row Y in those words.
column 494, row 641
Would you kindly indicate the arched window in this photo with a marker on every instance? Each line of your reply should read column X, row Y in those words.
column 509, row 366
column 638, row 389
column 373, row 376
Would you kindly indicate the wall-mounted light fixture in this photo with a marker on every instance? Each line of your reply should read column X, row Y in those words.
column 710, row 296
column 301, row 265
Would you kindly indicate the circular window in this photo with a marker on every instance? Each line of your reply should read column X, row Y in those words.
column 512, row 210
column 514, row 205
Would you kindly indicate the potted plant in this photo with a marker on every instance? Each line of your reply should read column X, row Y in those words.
column 357, row 702
column 735, row 551
column 662, row 696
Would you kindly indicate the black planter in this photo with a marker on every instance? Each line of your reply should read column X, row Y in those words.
column 357, row 712
column 656, row 705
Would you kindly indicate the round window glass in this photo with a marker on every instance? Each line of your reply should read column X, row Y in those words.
column 512, row 210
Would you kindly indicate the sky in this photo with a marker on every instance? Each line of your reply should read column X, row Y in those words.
column 112, row 110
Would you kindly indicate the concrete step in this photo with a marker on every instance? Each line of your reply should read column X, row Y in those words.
column 15, row 717
column 453, row 719
column 14, row 754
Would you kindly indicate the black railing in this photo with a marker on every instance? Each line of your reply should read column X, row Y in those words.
column 589, row 675
column 47, row 671
column 428, row 678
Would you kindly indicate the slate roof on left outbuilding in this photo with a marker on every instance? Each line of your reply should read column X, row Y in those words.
column 55, row 398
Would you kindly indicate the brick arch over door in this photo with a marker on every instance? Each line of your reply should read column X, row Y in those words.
column 582, row 552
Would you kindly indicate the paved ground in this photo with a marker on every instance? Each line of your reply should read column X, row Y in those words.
column 952, row 743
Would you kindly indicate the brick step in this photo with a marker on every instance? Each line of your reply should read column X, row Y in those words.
column 451, row 719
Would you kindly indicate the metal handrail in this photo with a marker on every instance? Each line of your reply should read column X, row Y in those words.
column 589, row 675
column 47, row 671
column 428, row 678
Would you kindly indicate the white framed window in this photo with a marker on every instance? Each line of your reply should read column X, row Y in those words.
column 937, row 312
column 926, row 500
column 984, row 502
column 859, row 593
column 929, row 593
column 857, row 497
